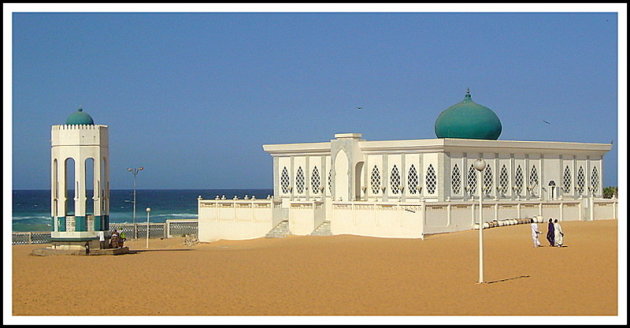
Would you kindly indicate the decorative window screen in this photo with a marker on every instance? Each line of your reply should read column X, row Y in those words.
column 412, row 180
column 487, row 179
column 315, row 180
column 431, row 179
column 533, row 177
column 518, row 180
column 504, row 180
column 566, row 180
column 581, row 181
column 284, row 180
column 299, row 180
column 472, row 179
column 375, row 180
column 394, row 180
column 456, row 179
column 595, row 179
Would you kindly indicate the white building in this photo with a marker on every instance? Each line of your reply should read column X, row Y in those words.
column 409, row 188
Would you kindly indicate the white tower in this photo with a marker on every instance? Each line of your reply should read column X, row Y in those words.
column 84, row 145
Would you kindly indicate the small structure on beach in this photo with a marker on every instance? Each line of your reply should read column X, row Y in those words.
column 409, row 188
column 80, row 149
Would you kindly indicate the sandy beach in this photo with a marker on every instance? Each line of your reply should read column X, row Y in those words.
column 336, row 275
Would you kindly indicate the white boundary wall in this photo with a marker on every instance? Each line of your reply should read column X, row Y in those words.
column 248, row 219
column 377, row 219
column 235, row 219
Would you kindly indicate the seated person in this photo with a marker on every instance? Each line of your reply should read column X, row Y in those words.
column 114, row 239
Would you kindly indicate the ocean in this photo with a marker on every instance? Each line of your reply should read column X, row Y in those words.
column 31, row 208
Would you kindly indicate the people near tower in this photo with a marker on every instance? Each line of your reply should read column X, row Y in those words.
column 114, row 239
column 535, row 233
column 101, row 238
column 558, row 233
column 550, row 232
column 122, row 239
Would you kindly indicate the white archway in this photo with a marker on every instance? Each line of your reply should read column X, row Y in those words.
column 341, row 176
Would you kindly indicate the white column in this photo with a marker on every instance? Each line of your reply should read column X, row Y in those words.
column 79, row 185
column 591, row 206
column 448, row 215
column 97, row 186
column 63, row 192
column 53, row 186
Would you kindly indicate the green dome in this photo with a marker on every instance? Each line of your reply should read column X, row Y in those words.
column 79, row 117
column 468, row 120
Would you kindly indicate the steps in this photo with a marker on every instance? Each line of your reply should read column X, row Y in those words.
column 279, row 231
column 322, row 230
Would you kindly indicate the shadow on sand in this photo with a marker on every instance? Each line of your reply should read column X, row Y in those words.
column 135, row 251
column 507, row 279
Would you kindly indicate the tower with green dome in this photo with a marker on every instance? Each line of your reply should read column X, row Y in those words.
column 81, row 143
column 468, row 120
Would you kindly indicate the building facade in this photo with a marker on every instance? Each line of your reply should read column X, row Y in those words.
column 408, row 188
column 351, row 168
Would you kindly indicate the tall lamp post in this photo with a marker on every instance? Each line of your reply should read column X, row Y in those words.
column 148, row 212
column 135, row 172
column 479, row 165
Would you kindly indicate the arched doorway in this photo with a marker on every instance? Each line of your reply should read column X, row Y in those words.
column 341, row 176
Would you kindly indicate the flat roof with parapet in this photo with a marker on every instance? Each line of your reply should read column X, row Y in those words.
column 445, row 144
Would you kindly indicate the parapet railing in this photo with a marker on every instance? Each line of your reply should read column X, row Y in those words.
column 236, row 202
column 168, row 229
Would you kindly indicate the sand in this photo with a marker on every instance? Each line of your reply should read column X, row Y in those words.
column 335, row 275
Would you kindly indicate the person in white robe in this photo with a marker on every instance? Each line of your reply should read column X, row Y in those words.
column 557, row 229
column 535, row 233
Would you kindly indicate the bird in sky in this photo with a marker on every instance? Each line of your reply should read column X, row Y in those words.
column 359, row 108
column 546, row 122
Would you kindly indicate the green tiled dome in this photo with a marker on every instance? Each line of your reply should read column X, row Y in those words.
column 468, row 120
column 79, row 117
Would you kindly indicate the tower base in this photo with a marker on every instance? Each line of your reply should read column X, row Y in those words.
column 73, row 250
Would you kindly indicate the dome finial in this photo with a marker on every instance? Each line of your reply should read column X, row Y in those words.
column 467, row 97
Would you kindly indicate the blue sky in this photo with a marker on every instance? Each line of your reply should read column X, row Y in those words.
column 193, row 97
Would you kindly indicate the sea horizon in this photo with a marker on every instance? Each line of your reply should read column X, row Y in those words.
column 31, row 207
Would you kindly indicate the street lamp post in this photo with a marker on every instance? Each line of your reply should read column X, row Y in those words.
column 479, row 165
column 148, row 212
column 135, row 172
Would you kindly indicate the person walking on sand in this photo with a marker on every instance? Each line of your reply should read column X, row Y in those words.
column 535, row 233
column 550, row 232
column 558, row 234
